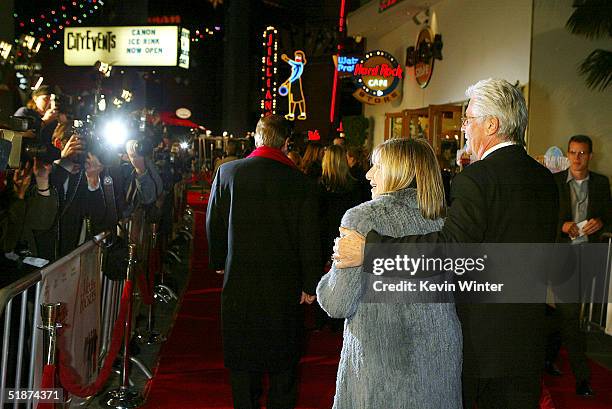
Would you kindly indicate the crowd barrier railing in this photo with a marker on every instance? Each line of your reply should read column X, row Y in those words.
column 86, row 321
column 19, row 293
column 598, row 316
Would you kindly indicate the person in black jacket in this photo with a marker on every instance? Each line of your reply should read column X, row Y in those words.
column 338, row 192
column 41, row 112
column 505, row 197
column 262, row 230
column 76, row 179
column 584, row 199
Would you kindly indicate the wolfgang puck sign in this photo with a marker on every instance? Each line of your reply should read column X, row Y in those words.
column 377, row 76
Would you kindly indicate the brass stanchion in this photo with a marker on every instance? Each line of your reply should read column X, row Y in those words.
column 125, row 397
column 49, row 314
column 149, row 335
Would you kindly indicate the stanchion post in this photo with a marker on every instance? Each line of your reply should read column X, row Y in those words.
column 125, row 397
column 149, row 335
column 49, row 313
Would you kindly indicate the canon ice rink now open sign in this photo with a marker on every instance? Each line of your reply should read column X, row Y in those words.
column 122, row 46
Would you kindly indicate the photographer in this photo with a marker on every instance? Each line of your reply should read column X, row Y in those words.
column 76, row 179
column 41, row 111
column 144, row 185
column 27, row 209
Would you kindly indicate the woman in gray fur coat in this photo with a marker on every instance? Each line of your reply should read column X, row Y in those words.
column 395, row 356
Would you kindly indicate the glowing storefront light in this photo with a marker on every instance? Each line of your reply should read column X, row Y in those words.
column 268, row 70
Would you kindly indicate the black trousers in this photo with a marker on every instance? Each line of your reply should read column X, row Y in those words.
column 247, row 389
column 564, row 329
column 509, row 392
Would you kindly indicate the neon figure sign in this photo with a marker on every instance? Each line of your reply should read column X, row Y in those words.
column 292, row 87
column 268, row 69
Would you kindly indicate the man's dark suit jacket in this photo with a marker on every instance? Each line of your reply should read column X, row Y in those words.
column 599, row 206
column 508, row 197
column 262, row 228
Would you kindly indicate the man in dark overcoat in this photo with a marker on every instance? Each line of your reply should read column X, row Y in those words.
column 262, row 231
column 505, row 197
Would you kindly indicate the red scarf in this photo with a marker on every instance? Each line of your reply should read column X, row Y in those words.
column 272, row 153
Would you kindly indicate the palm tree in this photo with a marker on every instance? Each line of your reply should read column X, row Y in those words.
column 593, row 19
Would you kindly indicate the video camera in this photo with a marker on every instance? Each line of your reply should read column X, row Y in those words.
column 21, row 144
column 105, row 136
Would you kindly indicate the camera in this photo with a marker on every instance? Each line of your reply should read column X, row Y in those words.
column 20, row 144
column 65, row 104
column 105, row 136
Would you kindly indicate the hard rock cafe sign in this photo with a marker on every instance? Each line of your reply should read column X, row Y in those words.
column 377, row 76
column 424, row 65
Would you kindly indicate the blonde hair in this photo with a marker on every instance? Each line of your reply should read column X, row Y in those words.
column 336, row 174
column 311, row 154
column 296, row 158
column 402, row 161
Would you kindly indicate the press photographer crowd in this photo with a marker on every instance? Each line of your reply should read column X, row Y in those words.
column 69, row 179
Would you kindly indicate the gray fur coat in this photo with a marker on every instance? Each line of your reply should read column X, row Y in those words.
column 396, row 356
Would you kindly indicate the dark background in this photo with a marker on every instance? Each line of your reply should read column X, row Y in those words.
column 223, row 85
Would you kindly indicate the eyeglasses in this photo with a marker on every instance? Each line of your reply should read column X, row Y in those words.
column 466, row 119
column 577, row 153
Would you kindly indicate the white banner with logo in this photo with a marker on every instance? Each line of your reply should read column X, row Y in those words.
column 74, row 281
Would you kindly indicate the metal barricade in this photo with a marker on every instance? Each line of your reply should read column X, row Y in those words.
column 20, row 310
column 598, row 316
column 20, row 292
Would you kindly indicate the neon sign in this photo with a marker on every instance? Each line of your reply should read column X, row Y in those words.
column 377, row 76
column 292, row 87
column 345, row 64
column 385, row 4
column 268, row 71
column 175, row 19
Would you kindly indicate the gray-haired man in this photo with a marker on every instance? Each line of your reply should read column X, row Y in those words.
column 505, row 197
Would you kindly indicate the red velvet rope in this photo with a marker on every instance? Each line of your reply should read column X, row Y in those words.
column 47, row 382
column 146, row 284
column 68, row 375
column 546, row 401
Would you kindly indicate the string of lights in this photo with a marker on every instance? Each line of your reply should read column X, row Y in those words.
column 201, row 33
column 49, row 25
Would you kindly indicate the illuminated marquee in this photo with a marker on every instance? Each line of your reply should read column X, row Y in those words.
column 377, row 76
column 185, row 45
column 268, row 71
column 122, row 45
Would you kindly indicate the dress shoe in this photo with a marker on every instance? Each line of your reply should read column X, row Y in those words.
column 583, row 388
column 552, row 369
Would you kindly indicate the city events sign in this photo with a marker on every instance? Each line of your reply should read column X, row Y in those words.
column 378, row 77
column 123, row 46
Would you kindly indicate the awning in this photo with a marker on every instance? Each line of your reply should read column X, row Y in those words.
column 170, row 118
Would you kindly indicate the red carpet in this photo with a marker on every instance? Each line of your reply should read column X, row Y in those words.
column 563, row 388
column 191, row 374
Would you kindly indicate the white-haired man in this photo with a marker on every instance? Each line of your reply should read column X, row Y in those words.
column 262, row 230
column 505, row 197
